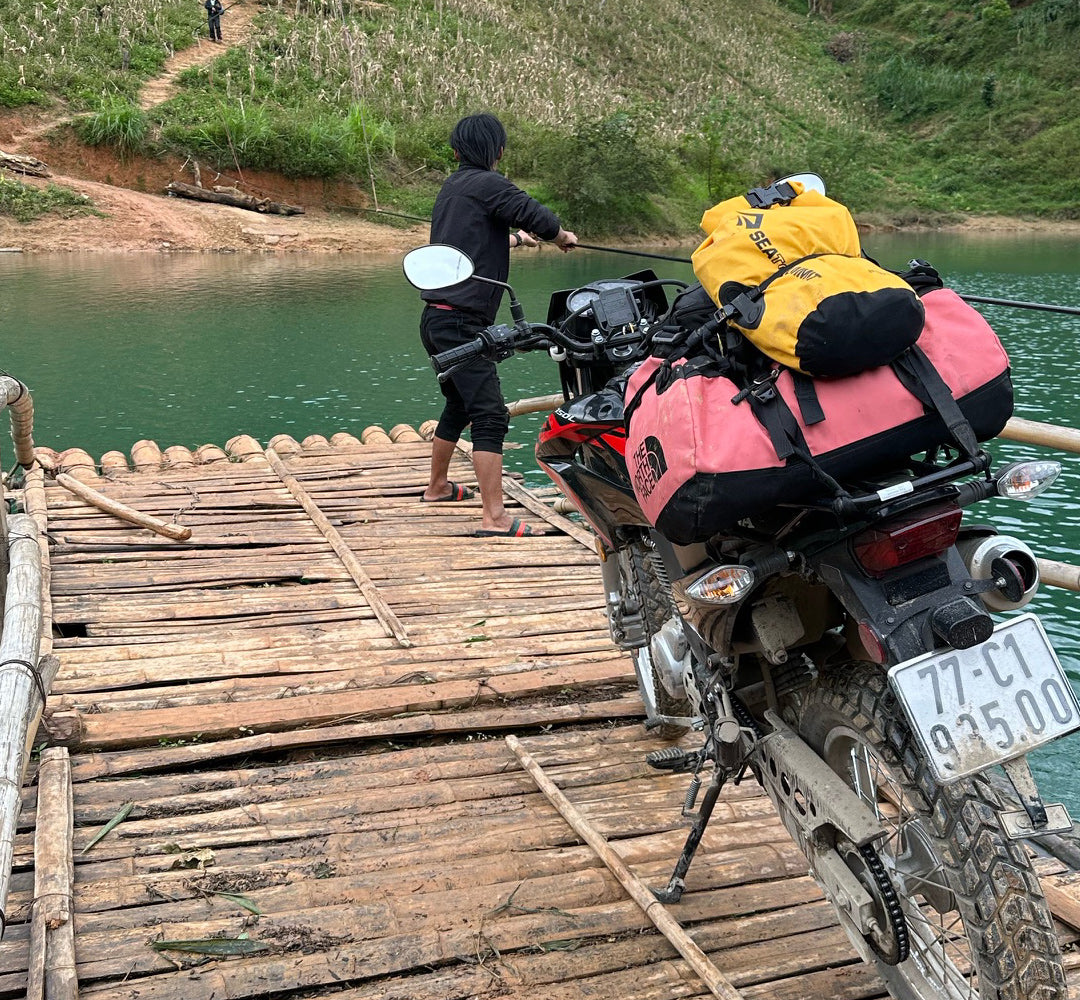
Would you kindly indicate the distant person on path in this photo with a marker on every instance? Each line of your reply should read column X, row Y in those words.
column 475, row 211
column 214, row 10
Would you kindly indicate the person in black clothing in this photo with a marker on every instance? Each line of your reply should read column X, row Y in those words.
column 475, row 211
column 214, row 10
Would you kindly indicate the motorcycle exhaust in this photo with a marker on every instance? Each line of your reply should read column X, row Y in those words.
column 1004, row 559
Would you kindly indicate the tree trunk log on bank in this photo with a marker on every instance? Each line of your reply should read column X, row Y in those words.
column 24, row 164
column 253, row 204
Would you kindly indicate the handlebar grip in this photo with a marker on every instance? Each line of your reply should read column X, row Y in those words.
column 445, row 360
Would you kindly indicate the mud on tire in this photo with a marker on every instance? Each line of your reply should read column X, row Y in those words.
column 981, row 902
column 656, row 609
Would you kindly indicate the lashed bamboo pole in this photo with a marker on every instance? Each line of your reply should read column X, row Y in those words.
column 15, row 396
column 383, row 611
column 51, row 974
column 1047, row 435
column 24, row 681
column 536, row 404
column 710, row 975
column 37, row 508
column 177, row 532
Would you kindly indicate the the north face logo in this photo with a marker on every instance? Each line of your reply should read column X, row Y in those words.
column 649, row 466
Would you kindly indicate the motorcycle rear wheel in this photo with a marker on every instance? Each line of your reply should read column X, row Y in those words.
column 657, row 609
column 977, row 923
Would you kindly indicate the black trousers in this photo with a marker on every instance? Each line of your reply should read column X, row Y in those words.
column 215, row 27
column 473, row 394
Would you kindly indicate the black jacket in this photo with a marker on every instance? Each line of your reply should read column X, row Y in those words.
column 475, row 211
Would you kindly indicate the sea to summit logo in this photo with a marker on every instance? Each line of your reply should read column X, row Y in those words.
column 751, row 221
column 650, row 465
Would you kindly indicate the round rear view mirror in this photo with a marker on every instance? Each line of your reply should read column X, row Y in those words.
column 436, row 266
column 809, row 181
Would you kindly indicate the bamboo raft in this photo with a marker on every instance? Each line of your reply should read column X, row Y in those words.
column 274, row 760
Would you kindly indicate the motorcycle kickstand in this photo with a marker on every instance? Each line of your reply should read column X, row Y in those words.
column 672, row 893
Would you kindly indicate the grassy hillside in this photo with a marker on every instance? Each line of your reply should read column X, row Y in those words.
column 627, row 115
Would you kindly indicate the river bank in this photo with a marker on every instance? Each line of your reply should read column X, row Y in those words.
column 336, row 219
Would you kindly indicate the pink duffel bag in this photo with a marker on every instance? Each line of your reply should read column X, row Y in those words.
column 700, row 461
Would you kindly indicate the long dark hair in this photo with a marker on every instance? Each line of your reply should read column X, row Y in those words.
column 478, row 140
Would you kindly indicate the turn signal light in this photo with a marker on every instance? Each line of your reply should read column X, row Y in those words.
column 903, row 541
column 722, row 585
column 1026, row 480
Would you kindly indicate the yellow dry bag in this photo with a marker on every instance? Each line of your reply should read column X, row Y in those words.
column 786, row 267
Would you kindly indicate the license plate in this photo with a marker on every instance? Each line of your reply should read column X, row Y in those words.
column 972, row 708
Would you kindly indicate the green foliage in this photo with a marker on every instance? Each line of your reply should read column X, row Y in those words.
column 117, row 123
column 79, row 51
column 908, row 90
column 24, row 203
column 627, row 116
column 603, row 173
column 297, row 143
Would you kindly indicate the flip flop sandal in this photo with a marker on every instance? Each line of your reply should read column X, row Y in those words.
column 456, row 495
column 516, row 530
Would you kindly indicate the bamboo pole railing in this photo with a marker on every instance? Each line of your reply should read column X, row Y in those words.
column 25, row 678
column 27, row 667
column 16, row 397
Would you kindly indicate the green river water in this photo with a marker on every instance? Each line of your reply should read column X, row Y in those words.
column 195, row 349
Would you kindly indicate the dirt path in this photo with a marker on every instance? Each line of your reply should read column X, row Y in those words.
column 236, row 28
column 136, row 217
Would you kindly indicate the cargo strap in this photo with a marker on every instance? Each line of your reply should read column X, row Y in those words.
column 916, row 373
column 747, row 309
column 783, row 429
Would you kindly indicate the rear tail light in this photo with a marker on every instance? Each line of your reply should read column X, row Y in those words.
column 900, row 542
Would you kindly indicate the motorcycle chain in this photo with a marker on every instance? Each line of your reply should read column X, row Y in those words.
column 893, row 909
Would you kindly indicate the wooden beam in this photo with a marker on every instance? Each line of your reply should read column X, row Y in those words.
column 710, row 975
column 1047, row 435
column 383, row 611
column 177, row 532
column 51, row 974
column 101, row 765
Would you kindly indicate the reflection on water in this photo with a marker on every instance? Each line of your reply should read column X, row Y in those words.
column 194, row 349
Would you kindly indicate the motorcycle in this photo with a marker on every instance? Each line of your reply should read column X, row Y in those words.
column 844, row 654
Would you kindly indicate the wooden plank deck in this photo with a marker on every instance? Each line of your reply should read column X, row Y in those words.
column 281, row 750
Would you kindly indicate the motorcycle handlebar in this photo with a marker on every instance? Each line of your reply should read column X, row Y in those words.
column 445, row 360
column 497, row 343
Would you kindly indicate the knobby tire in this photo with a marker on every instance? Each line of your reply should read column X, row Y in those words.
column 657, row 609
column 983, row 907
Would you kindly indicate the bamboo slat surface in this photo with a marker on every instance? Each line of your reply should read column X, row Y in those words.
column 338, row 810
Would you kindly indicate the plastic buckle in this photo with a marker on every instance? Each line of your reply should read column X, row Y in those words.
column 669, row 338
column 763, row 389
column 746, row 309
column 775, row 194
